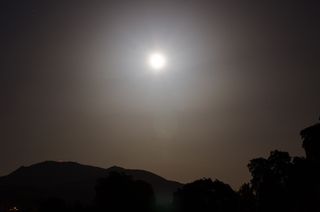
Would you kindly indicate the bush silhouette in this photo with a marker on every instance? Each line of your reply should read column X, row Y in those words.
column 53, row 204
column 119, row 192
column 205, row 195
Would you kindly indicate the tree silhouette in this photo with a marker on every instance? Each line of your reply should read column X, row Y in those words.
column 119, row 192
column 311, row 142
column 270, row 178
column 205, row 195
column 303, row 186
column 306, row 176
column 247, row 198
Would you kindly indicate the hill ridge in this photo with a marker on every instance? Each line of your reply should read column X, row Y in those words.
column 74, row 181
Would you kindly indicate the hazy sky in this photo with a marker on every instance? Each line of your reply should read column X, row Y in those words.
column 242, row 79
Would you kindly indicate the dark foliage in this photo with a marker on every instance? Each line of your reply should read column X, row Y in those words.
column 119, row 192
column 205, row 195
column 247, row 199
column 280, row 183
column 53, row 205
column 311, row 144
column 270, row 181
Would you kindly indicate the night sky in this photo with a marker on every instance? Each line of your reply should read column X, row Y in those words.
column 242, row 79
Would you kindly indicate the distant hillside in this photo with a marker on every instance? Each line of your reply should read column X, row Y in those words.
column 72, row 181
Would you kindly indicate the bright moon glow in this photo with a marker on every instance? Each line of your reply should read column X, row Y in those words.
column 157, row 61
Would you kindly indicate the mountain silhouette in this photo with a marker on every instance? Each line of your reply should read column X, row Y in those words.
column 72, row 182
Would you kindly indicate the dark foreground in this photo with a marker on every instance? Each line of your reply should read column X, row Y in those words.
column 279, row 183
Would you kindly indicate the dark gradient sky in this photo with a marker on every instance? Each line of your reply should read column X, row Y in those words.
column 242, row 80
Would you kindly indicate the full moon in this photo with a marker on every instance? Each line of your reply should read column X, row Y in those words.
column 157, row 61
